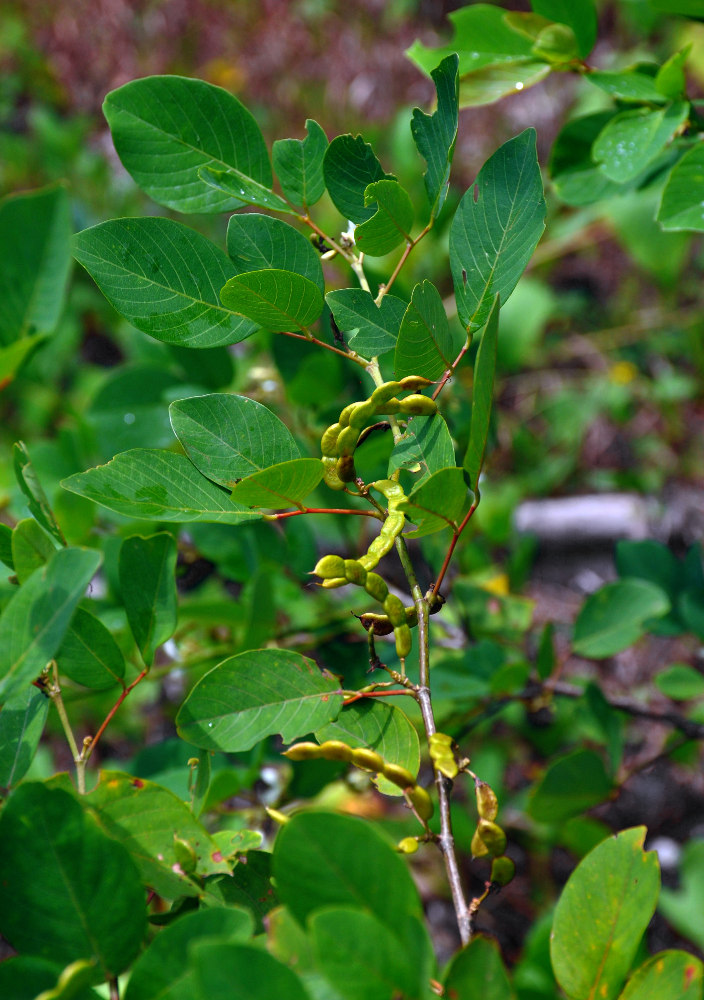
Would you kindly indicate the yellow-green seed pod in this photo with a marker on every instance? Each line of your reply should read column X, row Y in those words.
column 478, row 848
column 347, row 440
column 362, row 414
column 278, row 817
column 421, row 802
column 186, row 857
column 414, row 383
column 440, row 739
column 378, row 624
column 487, row 803
column 445, row 763
column 355, row 572
column 390, row 407
column 493, row 836
column 404, row 641
column 385, row 392
column 335, row 750
column 330, row 566
column 502, row 870
column 334, row 583
column 345, row 469
column 303, row 751
column 368, row 760
column 344, row 418
column 393, row 606
column 328, row 442
column 409, row 845
column 389, row 489
column 376, row 587
column 398, row 775
column 393, row 525
column 330, row 476
column 369, row 560
column 418, row 406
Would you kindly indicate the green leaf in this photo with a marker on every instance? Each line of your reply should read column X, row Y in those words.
column 25, row 977
column 631, row 140
column 32, row 547
column 490, row 84
column 37, row 616
column 482, row 37
column 439, row 502
column 238, row 185
column 680, row 682
column 255, row 242
column 479, row 963
column 669, row 975
column 147, row 568
column 435, row 135
column 324, row 859
column 349, row 167
column 22, row 720
column 571, row 785
column 6, row 546
column 35, row 233
column 601, row 916
column 228, row 437
column 258, row 694
column 649, row 560
column 381, row 727
column 682, row 197
column 239, row 972
column 482, row 398
column 165, row 128
column 164, row 278
column 147, row 819
column 671, row 80
column 299, row 165
column 682, row 908
column 164, row 971
column 37, row 501
column 12, row 356
column 88, row 653
column 579, row 15
column 690, row 608
column 615, row 617
column 575, row 176
column 283, row 485
column 557, row 45
column 424, row 345
column 496, row 229
column 372, row 330
column 248, row 886
column 362, row 957
column 391, row 224
column 69, row 891
column 425, row 447
column 274, row 299
column 629, row 85
column 157, row 485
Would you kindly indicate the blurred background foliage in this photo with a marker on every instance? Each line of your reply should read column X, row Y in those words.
column 600, row 390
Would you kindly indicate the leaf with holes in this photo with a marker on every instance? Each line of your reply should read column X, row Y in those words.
column 435, row 135
column 439, row 502
column 349, row 167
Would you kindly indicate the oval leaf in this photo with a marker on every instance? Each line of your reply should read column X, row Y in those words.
column 481, row 963
column 274, row 299
column 482, row 398
column 237, row 184
column 424, row 448
column 372, row 330
column 669, row 975
column 681, row 205
column 439, row 502
column 165, row 128
column 570, row 785
column 424, row 345
column 629, row 142
column 158, row 485
column 228, row 437
column 614, row 617
column 164, row 278
column 258, row 694
column 239, row 972
column 284, row 485
column 255, row 242
column 32, row 546
column 602, row 914
column 89, row 655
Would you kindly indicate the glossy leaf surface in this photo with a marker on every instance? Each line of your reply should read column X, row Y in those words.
column 274, row 299
column 439, row 502
column 391, row 224
column 424, row 448
column 628, row 143
column 238, row 185
column 255, row 242
column 349, row 166
column 371, row 330
column 258, row 694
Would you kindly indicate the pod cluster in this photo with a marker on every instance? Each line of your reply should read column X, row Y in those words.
column 367, row 760
column 489, row 839
column 340, row 439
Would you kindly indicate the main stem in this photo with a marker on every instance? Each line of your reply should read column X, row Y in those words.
column 446, row 840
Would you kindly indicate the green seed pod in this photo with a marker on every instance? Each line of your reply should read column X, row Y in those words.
column 330, row 476
column 344, row 418
column 368, row 760
column 393, row 606
column 329, row 567
column 328, row 442
column 414, row 383
column 418, row 406
column 493, row 836
column 445, row 763
column 388, row 408
column 334, row 583
column 421, row 802
column 383, row 393
column 409, row 845
column 376, row 587
column 440, row 739
column 478, row 848
column 303, row 751
column 362, row 414
column 388, row 488
column 393, row 525
column 186, row 857
column 380, row 546
column 355, row 572
column 487, row 803
column 502, row 870
column 398, row 775
column 404, row 641
column 378, row 624
column 345, row 470
column 335, row 750
column 347, row 440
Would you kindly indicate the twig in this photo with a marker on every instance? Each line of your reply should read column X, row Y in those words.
column 451, row 548
column 404, row 257
column 54, row 692
column 310, row 339
column 449, row 372
column 320, row 510
column 89, row 747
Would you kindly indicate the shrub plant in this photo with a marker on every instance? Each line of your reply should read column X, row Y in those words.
column 123, row 884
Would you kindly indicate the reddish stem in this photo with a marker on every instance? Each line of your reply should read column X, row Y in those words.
column 322, row 510
column 451, row 549
column 349, row 355
column 376, row 694
column 111, row 713
column 450, row 371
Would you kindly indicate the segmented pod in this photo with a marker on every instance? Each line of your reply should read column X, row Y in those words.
column 376, row 587
column 487, row 803
column 328, row 442
column 493, row 836
column 404, row 641
column 393, row 606
column 334, row 582
column 345, row 470
column 418, row 406
column 421, row 802
column 329, row 567
column 398, row 775
column 336, row 750
column 502, row 870
column 368, row 760
column 330, row 476
column 347, row 440
column 355, row 572
column 303, row 751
